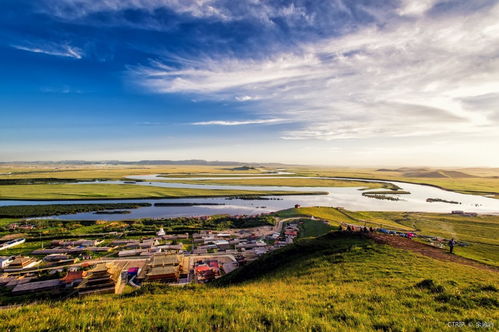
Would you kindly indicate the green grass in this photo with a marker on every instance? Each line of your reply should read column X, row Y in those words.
column 479, row 232
column 25, row 211
column 24, row 249
column 331, row 283
column 338, row 216
column 313, row 228
column 484, row 181
column 291, row 182
column 115, row 191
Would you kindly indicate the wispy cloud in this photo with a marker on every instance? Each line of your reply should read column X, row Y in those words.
column 297, row 13
column 237, row 123
column 412, row 77
column 52, row 49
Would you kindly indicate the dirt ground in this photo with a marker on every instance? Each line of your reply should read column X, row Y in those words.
column 427, row 250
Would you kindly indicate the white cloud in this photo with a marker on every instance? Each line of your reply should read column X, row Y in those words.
column 52, row 49
column 296, row 13
column 409, row 78
column 416, row 7
column 244, row 98
column 237, row 123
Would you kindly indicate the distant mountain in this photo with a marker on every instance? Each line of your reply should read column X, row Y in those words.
column 142, row 162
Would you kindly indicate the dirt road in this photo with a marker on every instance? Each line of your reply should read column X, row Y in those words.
column 427, row 250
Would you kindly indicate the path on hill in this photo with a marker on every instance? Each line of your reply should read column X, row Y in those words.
column 427, row 250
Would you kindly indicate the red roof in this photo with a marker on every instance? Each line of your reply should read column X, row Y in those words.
column 202, row 268
column 72, row 276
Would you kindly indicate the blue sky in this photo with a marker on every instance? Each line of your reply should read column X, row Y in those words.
column 400, row 82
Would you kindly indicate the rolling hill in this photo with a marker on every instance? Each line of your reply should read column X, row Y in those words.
column 336, row 282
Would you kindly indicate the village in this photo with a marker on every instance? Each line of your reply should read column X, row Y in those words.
column 70, row 267
column 109, row 262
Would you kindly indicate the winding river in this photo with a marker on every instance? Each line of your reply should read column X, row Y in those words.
column 350, row 198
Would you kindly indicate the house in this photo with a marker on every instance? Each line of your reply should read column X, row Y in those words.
column 57, row 258
column 26, row 227
column 123, row 242
column 165, row 268
column 5, row 261
column 12, row 282
column 104, row 278
column 21, row 263
column 222, row 244
column 53, row 286
column 11, row 243
column 76, row 243
column 171, row 247
column 73, row 278
column 70, row 250
column 207, row 270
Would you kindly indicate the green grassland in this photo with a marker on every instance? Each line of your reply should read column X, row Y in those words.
column 24, row 249
column 108, row 172
column 336, row 282
column 291, row 182
column 480, row 233
column 480, row 181
column 313, row 228
column 115, row 191
column 338, row 216
column 27, row 211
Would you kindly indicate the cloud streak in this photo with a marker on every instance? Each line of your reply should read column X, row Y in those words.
column 237, row 123
column 56, row 50
column 414, row 76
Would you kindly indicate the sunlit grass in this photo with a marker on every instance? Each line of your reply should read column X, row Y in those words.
column 329, row 284
column 114, row 191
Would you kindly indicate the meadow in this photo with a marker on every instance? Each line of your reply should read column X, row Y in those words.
column 27, row 211
column 478, row 233
column 477, row 181
column 291, row 182
column 110, row 172
column 115, row 191
column 337, row 282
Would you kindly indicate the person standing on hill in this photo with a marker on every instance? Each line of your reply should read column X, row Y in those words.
column 452, row 243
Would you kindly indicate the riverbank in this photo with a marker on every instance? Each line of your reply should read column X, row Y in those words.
column 122, row 191
column 472, row 181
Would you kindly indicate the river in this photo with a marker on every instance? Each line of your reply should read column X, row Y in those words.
column 350, row 198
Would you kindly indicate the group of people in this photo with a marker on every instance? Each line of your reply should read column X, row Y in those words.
column 452, row 243
column 361, row 229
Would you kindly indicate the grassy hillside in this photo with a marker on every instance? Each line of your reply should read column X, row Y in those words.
column 480, row 233
column 332, row 283
column 484, row 181
column 108, row 191
column 338, row 216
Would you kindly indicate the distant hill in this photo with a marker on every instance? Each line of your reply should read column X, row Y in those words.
column 142, row 162
column 437, row 174
column 426, row 173
column 242, row 168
